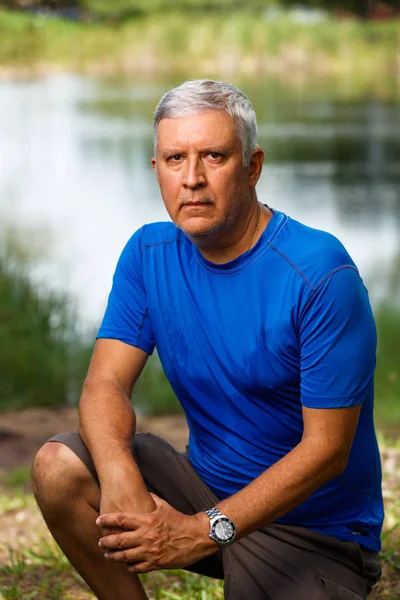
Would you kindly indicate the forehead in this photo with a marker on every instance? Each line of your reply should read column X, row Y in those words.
column 204, row 128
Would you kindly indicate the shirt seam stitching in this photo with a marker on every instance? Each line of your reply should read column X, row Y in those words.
column 321, row 283
column 134, row 340
column 353, row 397
column 293, row 266
column 340, row 268
column 160, row 243
column 114, row 329
column 139, row 333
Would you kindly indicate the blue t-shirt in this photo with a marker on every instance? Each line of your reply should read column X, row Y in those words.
column 245, row 344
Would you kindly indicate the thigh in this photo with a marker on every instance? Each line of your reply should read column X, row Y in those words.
column 277, row 563
column 166, row 473
column 285, row 563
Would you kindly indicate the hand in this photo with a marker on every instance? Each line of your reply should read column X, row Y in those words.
column 162, row 539
column 112, row 502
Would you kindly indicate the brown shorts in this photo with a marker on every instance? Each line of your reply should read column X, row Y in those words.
column 278, row 562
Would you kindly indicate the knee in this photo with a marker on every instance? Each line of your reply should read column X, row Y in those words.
column 57, row 475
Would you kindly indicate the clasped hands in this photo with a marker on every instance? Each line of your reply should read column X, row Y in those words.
column 162, row 539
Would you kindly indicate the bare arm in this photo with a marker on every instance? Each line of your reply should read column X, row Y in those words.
column 321, row 455
column 108, row 422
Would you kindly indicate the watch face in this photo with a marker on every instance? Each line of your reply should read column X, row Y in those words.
column 223, row 530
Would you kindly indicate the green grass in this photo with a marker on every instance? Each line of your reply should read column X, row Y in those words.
column 242, row 42
column 17, row 478
column 17, row 501
column 153, row 394
column 46, row 574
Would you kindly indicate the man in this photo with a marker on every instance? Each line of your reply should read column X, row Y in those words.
column 265, row 331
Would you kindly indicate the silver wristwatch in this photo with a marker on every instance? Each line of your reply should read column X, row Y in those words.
column 222, row 529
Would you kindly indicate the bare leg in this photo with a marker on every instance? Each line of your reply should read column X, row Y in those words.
column 69, row 499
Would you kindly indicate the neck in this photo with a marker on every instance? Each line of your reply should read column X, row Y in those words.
column 250, row 231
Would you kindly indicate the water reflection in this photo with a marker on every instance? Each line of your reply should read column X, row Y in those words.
column 75, row 160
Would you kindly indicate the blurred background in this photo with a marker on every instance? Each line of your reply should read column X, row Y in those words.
column 79, row 81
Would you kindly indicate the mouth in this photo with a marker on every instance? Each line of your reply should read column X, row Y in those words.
column 197, row 203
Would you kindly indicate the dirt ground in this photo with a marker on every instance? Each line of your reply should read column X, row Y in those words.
column 22, row 433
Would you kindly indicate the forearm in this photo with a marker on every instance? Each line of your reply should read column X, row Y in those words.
column 283, row 486
column 107, row 426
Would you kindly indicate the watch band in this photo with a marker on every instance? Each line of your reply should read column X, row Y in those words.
column 213, row 512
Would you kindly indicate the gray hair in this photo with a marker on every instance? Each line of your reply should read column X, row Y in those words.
column 199, row 95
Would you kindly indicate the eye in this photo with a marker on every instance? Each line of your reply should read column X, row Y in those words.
column 175, row 158
column 215, row 155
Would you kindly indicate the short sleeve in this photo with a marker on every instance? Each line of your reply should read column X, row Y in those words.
column 126, row 317
column 337, row 342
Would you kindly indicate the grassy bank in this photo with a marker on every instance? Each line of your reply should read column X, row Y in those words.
column 219, row 44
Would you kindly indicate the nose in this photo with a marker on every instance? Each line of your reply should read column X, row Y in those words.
column 193, row 176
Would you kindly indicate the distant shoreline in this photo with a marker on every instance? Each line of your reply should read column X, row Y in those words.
column 238, row 44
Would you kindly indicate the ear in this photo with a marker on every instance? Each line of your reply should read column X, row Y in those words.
column 255, row 167
column 154, row 166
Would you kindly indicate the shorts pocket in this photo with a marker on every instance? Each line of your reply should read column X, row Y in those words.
column 329, row 590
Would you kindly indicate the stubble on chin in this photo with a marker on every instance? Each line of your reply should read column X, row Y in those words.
column 210, row 235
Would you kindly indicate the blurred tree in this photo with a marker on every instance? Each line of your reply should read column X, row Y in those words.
column 43, row 359
column 127, row 8
column 105, row 7
column 361, row 8
column 122, row 9
column 55, row 5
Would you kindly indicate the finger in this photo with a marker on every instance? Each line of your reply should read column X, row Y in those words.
column 159, row 502
column 121, row 520
column 120, row 540
column 143, row 567
column 129, row 555
column 156, row 498
column 111, row 530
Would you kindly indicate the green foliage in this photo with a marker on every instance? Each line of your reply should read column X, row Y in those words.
column 239, row 42
column 128, row 8
column 152, row 394
column 42, row 356
column 387, row 375
column 17, row 478
column 361, row 8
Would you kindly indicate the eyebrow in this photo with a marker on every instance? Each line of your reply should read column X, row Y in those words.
column 218, row 149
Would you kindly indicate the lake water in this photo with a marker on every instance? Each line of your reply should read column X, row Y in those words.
column 76, row 181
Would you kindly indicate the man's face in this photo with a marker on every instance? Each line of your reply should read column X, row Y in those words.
column 199, row 168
